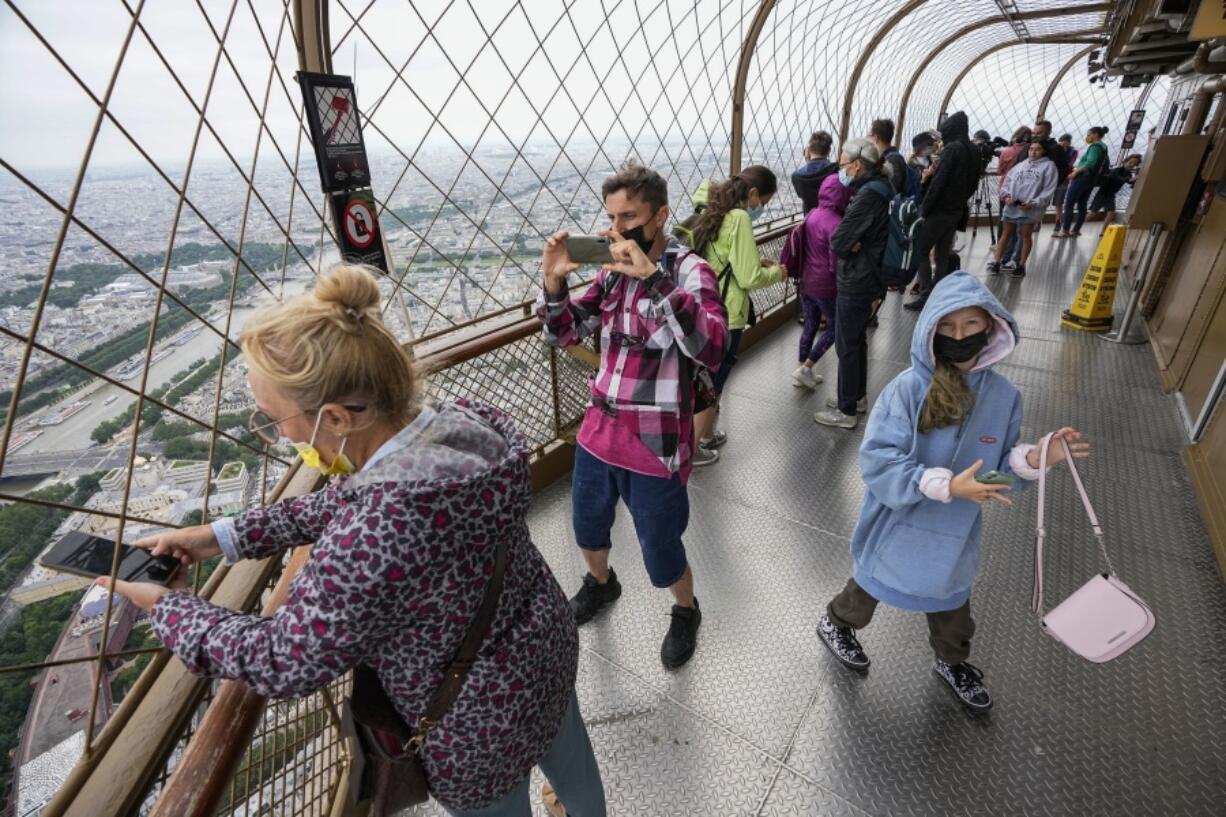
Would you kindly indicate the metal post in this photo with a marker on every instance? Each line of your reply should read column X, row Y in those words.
column 737, row 135
column 1124, row 333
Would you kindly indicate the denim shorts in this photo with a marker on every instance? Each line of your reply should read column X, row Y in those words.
column 659, row 507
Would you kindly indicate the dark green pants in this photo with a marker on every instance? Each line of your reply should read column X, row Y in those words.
column 949, row 631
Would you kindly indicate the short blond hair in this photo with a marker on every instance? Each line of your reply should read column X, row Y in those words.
column 330, row 345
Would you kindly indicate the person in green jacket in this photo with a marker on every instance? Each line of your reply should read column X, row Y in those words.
column 722, row 233
column 1093, row 162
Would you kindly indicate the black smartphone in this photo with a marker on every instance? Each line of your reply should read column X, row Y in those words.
column 589, row 249
column 91, row 556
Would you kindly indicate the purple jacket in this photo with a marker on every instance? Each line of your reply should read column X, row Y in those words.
column 817, row 277
column 402, row 551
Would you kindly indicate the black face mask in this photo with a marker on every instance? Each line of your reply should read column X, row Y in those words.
column 637, row 235
column 959, row 351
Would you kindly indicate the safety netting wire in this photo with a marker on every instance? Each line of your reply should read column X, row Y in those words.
column 156, row 204
column 492, row 125
column 901, row 50
column 797, row 83
column 1077, row 105
column 1003, row 92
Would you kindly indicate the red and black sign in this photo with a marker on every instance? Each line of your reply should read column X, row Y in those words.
column 1134, row 127
column 356, row 217
column 332, row 114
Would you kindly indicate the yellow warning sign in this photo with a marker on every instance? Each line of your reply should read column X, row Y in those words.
column 1091, row 309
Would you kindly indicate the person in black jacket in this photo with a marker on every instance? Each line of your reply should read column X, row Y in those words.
column 859, row 242
column 944, row 207
column 893, row 165
column 808, row 178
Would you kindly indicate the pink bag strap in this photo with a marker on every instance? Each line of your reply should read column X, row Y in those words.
column 1036, row 599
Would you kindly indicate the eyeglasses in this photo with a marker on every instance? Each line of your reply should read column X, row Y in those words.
column 264, row 427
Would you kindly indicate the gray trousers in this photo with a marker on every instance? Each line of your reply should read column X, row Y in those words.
column 949, row 631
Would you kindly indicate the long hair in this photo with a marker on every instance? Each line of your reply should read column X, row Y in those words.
column 949, row 400
column 724, row 197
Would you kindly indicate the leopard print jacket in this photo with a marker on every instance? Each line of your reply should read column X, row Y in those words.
column 402, row 552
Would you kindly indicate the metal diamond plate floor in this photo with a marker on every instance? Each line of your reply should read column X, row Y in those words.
column 763, row 722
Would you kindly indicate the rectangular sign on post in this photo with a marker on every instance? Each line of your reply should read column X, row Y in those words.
column 357, row 228
column 1134, row 127
column 332, row 115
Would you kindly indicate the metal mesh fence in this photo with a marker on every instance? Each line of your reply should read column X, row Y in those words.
column 161, row 189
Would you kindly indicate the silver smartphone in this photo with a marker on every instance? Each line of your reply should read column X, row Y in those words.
column 589, row 249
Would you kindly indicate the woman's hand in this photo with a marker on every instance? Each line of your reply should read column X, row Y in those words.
column 1055, row 452
column 143, row 594
column 188, row 545
column 964, row 486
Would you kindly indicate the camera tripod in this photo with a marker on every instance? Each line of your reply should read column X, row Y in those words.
column 983, row 204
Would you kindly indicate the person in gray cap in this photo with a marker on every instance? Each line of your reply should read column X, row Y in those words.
column 859, row 242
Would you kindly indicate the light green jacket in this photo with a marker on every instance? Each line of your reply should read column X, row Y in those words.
column 735, row 245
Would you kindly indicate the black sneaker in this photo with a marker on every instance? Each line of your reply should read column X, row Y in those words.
column 916, row 305
column 593, row 596
column 842, row 643
column 682, row 636
column 1019, row 271
column 966, row 681
column 994, row 268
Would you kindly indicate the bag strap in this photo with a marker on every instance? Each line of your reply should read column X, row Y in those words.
column 1036, row 599
column 457, row 671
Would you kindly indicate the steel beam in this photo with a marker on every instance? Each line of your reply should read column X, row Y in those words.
column 742, row 78
column 1051, row 88
column 850, row 97
column 975, row 26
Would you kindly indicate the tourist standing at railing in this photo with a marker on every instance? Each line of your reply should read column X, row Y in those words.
column 1025, row 193
column 1109, row 186
column 916, row 545
column 808, row 178
column 818, row 284
column 658, row 316
column 403, row 543
column 859, row 242
column 1070, row 161
column 1056, row 151
column 722, row 233
column 894, row 167
column 1093, row 163
column 944, row 206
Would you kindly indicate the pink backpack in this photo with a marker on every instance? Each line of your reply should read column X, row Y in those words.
column 1103, row 618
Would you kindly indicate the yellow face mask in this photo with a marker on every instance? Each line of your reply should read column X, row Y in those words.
column 311, row 457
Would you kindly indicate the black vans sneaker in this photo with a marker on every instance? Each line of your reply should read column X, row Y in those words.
column 842, row 643
column 1019, row 271
column 994, row 267
column 966, row 681
column 682, row 636
column 593, row 596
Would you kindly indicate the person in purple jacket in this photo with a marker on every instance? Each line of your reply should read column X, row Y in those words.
column 817, row 279
column 403, row 543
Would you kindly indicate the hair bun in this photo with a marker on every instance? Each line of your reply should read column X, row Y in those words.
column 351, row 288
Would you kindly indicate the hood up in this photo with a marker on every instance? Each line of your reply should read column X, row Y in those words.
column 956, row 126
column 835, row 195
column 957, row 291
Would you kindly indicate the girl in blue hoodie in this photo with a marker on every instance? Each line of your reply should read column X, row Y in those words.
column 934, row 427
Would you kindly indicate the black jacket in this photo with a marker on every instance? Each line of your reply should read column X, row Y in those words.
column 1059, row 158
column 867, row 223
column 957, row 173
column 895, row 168
column 807, row 181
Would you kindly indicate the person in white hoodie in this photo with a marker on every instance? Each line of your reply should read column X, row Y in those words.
column 1026, row 192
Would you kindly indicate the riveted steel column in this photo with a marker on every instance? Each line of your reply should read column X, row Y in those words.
column 742, row 77
column 975, row 26
column 850, row 96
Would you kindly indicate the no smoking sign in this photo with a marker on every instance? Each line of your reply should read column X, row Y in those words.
column 357, row 227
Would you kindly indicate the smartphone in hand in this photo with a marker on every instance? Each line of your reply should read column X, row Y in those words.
column 589, row 249
column 995, row 478
column 91, row 556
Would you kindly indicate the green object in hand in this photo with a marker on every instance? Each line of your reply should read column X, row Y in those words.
column 995, row 478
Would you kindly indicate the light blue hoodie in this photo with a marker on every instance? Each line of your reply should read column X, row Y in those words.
column 911, row 551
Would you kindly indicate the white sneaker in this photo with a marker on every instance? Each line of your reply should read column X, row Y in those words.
column 804, row 377
column 861, row 404
column 835, row 418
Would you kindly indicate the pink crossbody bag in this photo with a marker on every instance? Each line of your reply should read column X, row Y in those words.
column 1103, row 619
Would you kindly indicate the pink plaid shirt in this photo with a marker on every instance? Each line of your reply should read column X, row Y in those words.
column 651, row 335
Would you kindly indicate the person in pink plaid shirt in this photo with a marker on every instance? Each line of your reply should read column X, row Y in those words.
column 659, row 316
